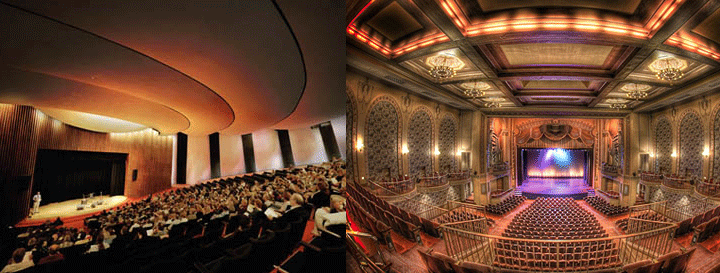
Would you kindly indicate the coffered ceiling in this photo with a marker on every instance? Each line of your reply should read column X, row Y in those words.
column 565, row 56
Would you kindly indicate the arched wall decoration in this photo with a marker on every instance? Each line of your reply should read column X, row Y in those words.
column 663, row 145
column 691, row 142
column 382, row 132
column 420, row 147
column 351, row 128
column 447, row 137
column 554, row 131
column 716, row 144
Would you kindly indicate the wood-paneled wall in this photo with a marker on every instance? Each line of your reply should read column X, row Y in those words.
column 24, row 130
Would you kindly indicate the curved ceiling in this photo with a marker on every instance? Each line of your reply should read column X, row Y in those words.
column 92, row 122
column 179, row 66
column 540, row 55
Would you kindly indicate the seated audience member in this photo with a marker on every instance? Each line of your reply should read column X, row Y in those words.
column 323, row 216
column 322, row 197
column 53, row 255
column 18, row 262
column 296, row 210
column 99, row 244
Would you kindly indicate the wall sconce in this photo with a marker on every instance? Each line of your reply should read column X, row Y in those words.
column 359, row 145
column 706, row 152
column 405, row 149
column 437, row 152
column 459, row 153
column 674, row 154
column 652, row 155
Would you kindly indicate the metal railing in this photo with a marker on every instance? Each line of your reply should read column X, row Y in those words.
column 454, row 176
column 466, row 241
column 390, row 188
column 651, row 177
column 433, row 181
column 709, row 189
column 677, row 182
column 374, row 262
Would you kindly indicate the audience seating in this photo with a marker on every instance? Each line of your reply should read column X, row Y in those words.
column 603, row 206
column 555, row 219
column 400, row 220
column 506, row 205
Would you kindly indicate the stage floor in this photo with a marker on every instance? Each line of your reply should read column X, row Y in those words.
column 69, row 208
column 554, row 186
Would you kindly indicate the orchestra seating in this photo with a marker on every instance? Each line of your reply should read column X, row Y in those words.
column 406, row 224
column 555, row 219
column 506, row 205
column 603, row 206
column 457, row 216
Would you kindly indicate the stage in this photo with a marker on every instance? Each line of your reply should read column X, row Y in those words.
column 533, row 188
column 68, row 209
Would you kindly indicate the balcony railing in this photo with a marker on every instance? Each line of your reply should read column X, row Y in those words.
column 709, row 188
column 462, row 175
column 433, row 181
column 677, row 182
column 651, row 177
column 610, row 169
column 390, row 188
column 499, row 168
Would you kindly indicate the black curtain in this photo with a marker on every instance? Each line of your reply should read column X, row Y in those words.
column 65, row 175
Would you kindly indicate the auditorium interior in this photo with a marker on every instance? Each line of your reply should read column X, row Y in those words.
column 533, row 136
column 172, row 136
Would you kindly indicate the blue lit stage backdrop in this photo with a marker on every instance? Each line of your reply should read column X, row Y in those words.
column 554, row 163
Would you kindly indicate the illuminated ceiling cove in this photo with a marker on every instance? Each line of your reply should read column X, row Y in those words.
column 180, row 66
column 540, row 56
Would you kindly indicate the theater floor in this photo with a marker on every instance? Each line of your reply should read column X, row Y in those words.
column 408, row 260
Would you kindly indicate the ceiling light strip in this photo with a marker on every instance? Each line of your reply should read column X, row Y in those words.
column 687, row 43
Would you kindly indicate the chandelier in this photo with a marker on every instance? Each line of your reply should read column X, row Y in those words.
column 443, row 66
column 636, row 91
column 475, row 89
column 618, row 105
column 493, row 102
column 668, row 69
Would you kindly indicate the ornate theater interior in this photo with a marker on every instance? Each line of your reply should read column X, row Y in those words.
column 155, row 136
column 540, row 136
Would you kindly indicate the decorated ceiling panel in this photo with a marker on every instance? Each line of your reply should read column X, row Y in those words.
column 544, row 53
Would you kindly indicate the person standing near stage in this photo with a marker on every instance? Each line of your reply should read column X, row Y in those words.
column 36, row 200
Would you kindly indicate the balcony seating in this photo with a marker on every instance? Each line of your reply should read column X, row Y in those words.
column 603, row 206
column 400, row 220
column 506, row 205
column 705, row 230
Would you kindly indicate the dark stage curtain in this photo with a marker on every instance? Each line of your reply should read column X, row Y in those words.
column 65, row 175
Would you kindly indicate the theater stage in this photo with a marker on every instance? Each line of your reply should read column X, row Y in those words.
column 68, row 209
column 533, row 188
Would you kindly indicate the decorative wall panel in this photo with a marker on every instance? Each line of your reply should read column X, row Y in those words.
column 663, row 146
column 691, row 145
column 381, row 140
column 420, row 143
column 447, row 135
column 350, row 129
column 716, row 148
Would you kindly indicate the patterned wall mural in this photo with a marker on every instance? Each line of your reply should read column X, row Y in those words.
column 381, row 140
column 663, row 146
column 447, row 135
column 716, row 141
column 350, row 129
column 420, row 143
column 691, row 145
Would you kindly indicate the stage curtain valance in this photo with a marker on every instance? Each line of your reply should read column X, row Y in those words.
column 554, row 131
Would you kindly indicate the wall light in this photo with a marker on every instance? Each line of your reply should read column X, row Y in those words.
column 437, row 152
column 706, row 152
column 652, row 155
column 359, row 145
column 674, row 154
column 405, row 149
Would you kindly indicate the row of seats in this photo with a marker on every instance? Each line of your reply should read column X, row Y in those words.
column 437, row 262
column 458, row 216
column 506, row 205
column 556, row 219
column 689, row 224
column 603, row 206
column 672, row 262
column 703, row 231
column 377, row 228
column 406, row 224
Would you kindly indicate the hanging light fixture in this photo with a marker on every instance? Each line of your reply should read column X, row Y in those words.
column 444, row 66
column 668, row 69
column 636, row 91
column 493, row 102
column 475, row 89
column 618, row 105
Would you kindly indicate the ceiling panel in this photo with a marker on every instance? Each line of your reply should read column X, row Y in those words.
column 623, row 6
column 548, row 54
